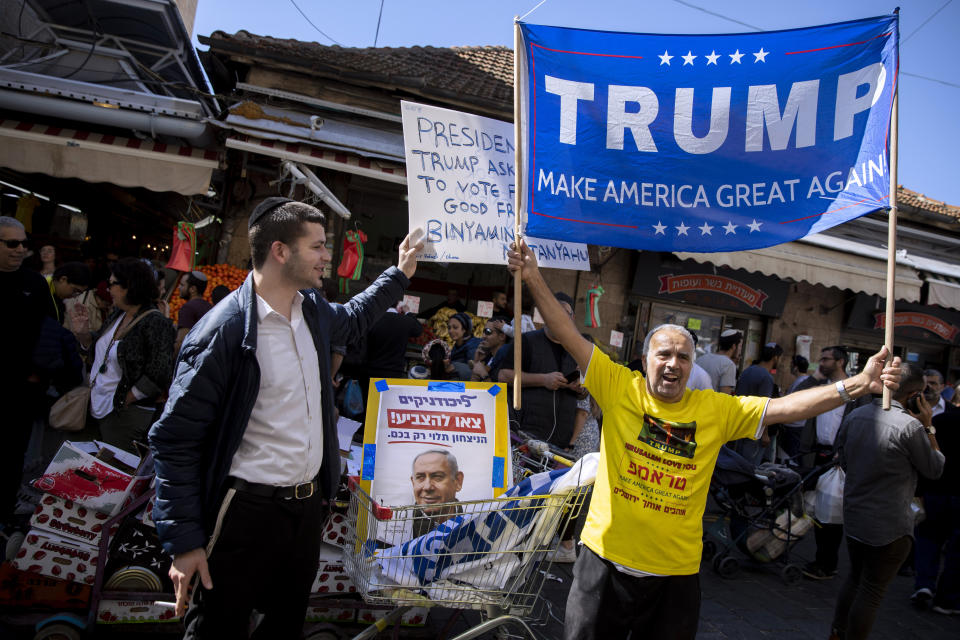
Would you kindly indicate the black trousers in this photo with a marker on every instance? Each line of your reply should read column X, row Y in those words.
column 264, row 559
column 606, row 604
column 21, row 401
column 871, row 570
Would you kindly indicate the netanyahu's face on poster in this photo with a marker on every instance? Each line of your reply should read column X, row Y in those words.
column 436, row 479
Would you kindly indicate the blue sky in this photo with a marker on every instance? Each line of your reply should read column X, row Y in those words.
column 929, row 31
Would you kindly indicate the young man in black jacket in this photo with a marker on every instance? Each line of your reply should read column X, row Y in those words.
column 246, row 449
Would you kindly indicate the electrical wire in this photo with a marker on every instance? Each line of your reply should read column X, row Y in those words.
column 376, row 36
column 319, row 30
column 943, row 82
column 718, row 15
column 924, row 23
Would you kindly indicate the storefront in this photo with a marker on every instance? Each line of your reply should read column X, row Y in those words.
column 705, row 299
column 926, row 335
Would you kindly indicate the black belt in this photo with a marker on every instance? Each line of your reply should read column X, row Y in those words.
column 300, row 491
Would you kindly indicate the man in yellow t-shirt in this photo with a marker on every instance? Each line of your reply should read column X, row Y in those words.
column 638, row 570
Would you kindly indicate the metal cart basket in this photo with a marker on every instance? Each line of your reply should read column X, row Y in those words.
column 488, row 555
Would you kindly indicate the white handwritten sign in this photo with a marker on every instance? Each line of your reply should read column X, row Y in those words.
column 616, row 339
column 460, row 188
column 484, row 309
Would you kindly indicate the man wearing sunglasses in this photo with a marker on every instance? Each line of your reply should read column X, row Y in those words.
column 25, row 298
column 490, row 353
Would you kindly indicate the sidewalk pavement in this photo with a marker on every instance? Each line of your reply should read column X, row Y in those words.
column 756, row 603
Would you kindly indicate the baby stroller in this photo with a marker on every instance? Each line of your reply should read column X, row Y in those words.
column 764, row 507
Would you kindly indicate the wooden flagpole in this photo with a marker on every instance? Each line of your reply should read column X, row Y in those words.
column 891, row 240
column 518, row 230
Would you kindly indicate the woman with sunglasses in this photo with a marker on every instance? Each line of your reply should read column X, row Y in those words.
column 132, row 357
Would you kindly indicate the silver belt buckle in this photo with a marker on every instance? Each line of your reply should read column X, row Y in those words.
column 307, row 488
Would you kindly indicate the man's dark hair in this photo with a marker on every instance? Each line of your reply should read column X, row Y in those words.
column 933, row 373
column 283, row 224
column 438, row 368
column 196, row 283
column 801, row 363
column 562, row 297
column 219, row 293
column 725, row 343
column 838, row 352
column 138, row 279
column 911, row 381
column 769, row 352
column 75, row 273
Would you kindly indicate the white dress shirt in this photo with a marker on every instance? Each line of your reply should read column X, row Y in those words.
column 283, row 442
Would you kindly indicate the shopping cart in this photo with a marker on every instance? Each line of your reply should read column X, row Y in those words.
column 491, row 555
column 534, row 456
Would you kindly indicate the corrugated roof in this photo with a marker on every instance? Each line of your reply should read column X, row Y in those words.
column 920, row 201
column 478, row 72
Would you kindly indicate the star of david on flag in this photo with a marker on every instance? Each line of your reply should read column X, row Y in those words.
column 704, row 143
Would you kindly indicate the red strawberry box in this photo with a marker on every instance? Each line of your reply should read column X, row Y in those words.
column 69, row 519
column 77, row 474
column 51, row 555
column 135, row 611
column 330, row 614
column 332, row 580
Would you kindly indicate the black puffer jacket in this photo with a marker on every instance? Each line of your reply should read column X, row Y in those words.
column 214, row 391
column 146, row 356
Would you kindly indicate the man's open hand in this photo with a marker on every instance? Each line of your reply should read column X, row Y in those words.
column 184, row 566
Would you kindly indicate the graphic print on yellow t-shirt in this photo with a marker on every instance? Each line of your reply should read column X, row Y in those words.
column 655, row 467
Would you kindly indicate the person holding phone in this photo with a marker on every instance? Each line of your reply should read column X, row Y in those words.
column 551, row 384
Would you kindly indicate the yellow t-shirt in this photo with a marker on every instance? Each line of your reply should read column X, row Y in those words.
column 656, row 459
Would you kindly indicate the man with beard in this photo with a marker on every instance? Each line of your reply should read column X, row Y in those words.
column 246, row 450
column 817, row 441
column 642, row 542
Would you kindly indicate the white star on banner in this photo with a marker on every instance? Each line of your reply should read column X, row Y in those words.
column 659, row 228
column 705, row 229
column 712, row 58
column 688, row 59
column 730, row 228
column 760, row 56
column 665, row 58
column 754, row 226
column 682, row 229
column 735, row 56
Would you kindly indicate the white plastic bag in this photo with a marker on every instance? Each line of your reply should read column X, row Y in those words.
column 829, row 505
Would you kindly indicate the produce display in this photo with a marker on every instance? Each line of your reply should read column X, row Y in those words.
column 228, row 275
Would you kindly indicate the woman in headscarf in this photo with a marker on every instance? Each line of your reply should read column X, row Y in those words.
column 464, row 343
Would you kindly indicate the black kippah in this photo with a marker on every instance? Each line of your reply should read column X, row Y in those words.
column 266, row 207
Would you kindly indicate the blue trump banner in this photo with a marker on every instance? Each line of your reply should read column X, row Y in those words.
column 705, row 142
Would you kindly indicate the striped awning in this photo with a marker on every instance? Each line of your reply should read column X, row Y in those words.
column 318, row 156
column 98, row 157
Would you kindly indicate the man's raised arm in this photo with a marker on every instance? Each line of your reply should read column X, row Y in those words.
column 801, row 405
column 560, row 325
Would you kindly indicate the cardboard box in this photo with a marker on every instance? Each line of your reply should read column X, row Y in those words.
column 77, row 474
column 51, row 555
column 134, row 611
column 330, row 614
column 33, row 591
column 332, row 579
column 69, row 519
